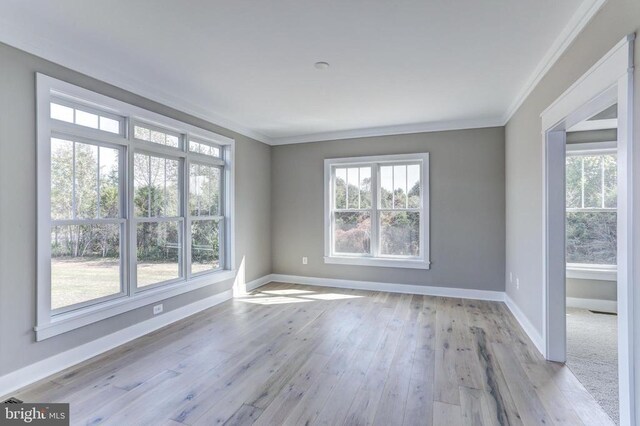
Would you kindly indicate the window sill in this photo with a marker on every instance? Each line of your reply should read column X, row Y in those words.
column 380, row 262
column 72, row 320
column 592, row 272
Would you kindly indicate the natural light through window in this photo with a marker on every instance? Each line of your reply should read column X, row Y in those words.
column 376, row 211
column 591, row 200
column 131, row 212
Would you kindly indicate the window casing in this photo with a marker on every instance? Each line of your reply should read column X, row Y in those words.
column 116, row 229
column 591, row 194
column 377, row 211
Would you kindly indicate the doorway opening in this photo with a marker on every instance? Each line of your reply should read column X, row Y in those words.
column 591, row 256
column 607, row 86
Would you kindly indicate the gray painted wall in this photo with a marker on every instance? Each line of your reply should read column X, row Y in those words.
column 524, row 149
column 467, row 208
column 592, row 289
column 18, row 211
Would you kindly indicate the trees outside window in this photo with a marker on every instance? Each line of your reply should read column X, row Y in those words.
column 591, row 208
column 375, row 210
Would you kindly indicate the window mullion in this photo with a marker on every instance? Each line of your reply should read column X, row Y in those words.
column 602, row 181
column 375, row 190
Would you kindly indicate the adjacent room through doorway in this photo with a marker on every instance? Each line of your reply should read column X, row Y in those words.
column 591, row 246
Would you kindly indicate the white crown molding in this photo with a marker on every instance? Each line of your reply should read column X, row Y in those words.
column 39, row 370
column 401, row 129
column 59, row 54
column 576, row 24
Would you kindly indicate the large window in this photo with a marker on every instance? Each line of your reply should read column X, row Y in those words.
column 376, row 211
column 133, row 207
column 591, row 201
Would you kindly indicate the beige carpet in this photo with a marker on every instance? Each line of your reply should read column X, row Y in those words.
column 592, row 355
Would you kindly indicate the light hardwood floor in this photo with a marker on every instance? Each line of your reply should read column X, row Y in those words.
column 307, row 355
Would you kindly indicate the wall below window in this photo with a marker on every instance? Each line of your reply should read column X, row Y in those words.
column 18, row 212
column 592, row 289
column 467, row 208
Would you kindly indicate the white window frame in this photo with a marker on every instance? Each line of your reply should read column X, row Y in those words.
column 587, row 271
column 375, row 259
column 51, row 323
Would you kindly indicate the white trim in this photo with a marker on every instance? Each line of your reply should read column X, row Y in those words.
column 50, row 323
column 496, row 296
column 399, row 129
column 63, row 323
column 597, row 80
column 593, row 304
column 609, row 81
column 62, row 55
column 264, row 280
column 524, row 322
column 29, row 42
column 592, row 272
column 578, row 22
column 586, row 148
column 377, row 261
column 374, row 258
column 588, row 125
column 41, row 369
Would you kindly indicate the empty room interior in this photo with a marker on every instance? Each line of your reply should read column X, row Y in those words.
column 412, row 212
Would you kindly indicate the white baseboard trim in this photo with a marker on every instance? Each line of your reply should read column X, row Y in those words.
column 526, row 325
column 41, row 369
column 252, row 285
column 593, row 304
column 391, row 288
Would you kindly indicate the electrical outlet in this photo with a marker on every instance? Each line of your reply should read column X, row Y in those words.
column 305, row 260
column 517, row 283
column 157, row 309
column 510, row 277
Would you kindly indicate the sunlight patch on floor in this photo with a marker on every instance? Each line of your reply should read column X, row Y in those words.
column 277, row 297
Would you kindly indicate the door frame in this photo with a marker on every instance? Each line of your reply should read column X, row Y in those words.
column 609, row 81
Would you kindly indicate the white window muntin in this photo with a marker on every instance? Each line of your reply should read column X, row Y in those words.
column 161, row 129
column 374, row 258
column 48, row 88
column 79, row 106
column 202, row 141
column 589, row 270
column 152, row 151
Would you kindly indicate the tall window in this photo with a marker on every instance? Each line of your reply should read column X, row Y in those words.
column 591, row 207
column 136, row 207
column 376, row 211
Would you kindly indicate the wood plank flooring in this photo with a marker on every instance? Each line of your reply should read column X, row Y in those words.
column 299, row 355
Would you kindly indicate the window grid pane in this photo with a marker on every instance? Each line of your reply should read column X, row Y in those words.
column 85, row 263
column 206, row 241
column 159, row 137
column 93, row 120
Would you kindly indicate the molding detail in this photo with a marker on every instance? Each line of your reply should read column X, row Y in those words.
column 524, row 322
column 579, row 20
column 46, row 367
column 401, row 129
column 46, row 49
column 266, row 279
column 497, row 296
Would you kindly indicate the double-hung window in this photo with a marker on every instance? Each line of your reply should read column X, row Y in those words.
column 591, row 202
column 133, row 207
column 377, row 211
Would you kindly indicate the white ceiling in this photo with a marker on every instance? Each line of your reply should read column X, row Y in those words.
column 396, row 66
